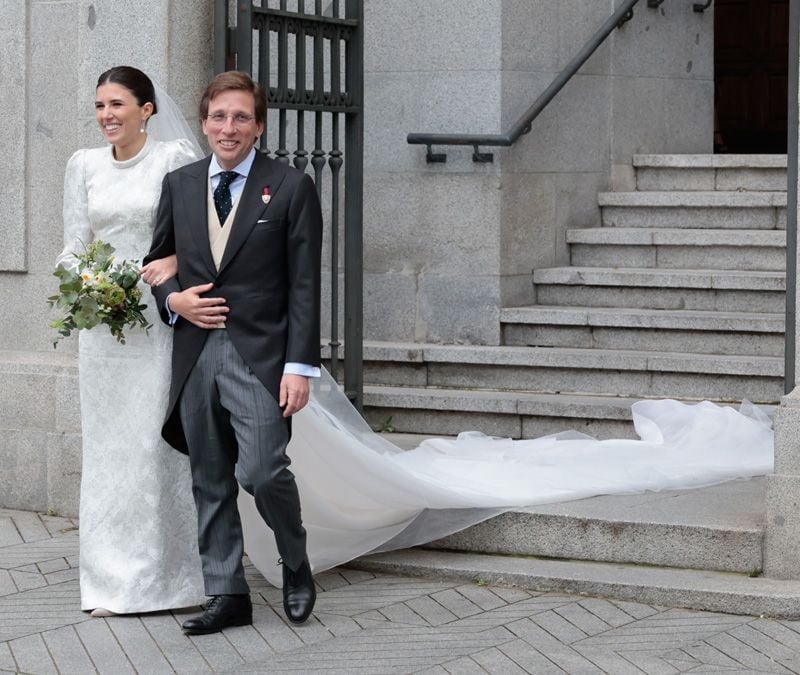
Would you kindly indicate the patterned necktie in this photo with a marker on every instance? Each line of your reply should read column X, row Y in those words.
column 222, row 195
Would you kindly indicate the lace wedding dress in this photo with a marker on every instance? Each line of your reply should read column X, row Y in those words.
column 138, row 528
column 360, row 493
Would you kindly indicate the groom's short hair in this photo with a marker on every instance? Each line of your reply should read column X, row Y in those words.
column 235, row 80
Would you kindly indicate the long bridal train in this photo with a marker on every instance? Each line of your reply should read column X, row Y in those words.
column 360, row 493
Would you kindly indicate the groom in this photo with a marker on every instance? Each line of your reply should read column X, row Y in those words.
column 245, row 309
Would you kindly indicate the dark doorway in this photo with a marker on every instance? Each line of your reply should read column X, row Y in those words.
column 751, row 58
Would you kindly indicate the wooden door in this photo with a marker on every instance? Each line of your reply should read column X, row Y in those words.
column 751, row 46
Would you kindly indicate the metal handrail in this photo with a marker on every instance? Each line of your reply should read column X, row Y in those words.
column 523, row 125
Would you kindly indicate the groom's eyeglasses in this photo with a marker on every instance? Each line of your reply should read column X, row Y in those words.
column 238, row 120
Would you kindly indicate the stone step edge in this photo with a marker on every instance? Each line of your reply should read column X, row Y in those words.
column 709, row 161
column 660, row 319
column 673, row 236
column 581, row 406
column 662, row 278
column 694, row 589
column 694, row 199
column 571, row 406
column 606, row 539
column 575, row 358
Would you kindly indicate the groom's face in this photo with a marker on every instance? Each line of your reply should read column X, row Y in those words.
column 231, row 127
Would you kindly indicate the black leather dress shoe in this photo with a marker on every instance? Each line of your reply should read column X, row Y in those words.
column 299, row 592
column 222, row 611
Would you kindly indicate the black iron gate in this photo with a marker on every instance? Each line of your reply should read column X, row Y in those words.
column 310, row 63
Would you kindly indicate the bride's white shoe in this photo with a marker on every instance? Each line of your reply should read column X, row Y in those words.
column 99, row 611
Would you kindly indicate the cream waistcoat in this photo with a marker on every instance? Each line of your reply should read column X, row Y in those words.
column 218, row 235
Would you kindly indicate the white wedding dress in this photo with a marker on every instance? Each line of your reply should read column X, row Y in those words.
column 360, row 493
column 138, row 528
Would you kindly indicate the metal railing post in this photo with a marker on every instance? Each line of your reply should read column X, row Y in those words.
column 791, row 198
column 354, row 212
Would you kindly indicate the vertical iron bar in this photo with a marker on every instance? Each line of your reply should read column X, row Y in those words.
column 300, row 154
column 791, row 198
column 264, row 74
column 282, row 154
column 220, row 35
column 244, row 36
column 336, row 64
column 335, row 162
column 353, row 210
column 318, row 154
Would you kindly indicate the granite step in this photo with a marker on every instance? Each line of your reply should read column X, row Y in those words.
column 517, row 391
column 710, row 172
column 693, row 331
column 678, row 248
column 499, row 412
column 715, row 528
column 430, row 410
column 700, row 209
column 671, row 587
column 717, row 290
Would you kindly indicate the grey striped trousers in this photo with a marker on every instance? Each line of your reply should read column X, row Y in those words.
column 236, row 431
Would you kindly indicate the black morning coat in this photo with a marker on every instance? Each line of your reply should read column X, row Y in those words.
column 269, row 274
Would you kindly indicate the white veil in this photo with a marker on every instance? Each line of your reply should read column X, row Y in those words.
column 169, row 124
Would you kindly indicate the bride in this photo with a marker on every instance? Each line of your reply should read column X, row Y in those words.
column 359, row 492
column 138, row 542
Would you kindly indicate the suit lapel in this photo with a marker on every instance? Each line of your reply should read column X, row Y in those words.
column 251, row 205
column 195, row 204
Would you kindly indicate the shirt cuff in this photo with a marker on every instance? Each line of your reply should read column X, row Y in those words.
column 300, row 369
column 173, row 317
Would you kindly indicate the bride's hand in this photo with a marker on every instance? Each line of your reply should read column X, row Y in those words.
column 158, row 271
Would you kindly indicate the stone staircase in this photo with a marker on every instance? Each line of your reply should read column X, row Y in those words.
column 679, row 293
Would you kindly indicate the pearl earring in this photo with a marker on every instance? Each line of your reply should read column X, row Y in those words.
column 141, row 128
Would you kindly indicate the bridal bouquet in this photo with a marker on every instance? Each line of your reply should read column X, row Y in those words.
column 98, row 292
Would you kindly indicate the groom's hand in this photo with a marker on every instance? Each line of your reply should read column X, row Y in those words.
column 202, row 312
column 294, row 393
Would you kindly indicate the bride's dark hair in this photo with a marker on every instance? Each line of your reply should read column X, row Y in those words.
column 134, row 80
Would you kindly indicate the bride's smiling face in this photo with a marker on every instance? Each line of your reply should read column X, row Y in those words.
column 119, row 114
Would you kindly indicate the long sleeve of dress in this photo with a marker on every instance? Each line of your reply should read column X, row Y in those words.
column 77, row 228
column 184, row 153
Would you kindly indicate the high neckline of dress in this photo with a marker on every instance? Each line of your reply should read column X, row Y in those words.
column 138, row 157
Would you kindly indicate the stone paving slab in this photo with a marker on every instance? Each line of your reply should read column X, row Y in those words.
column 367, row 623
